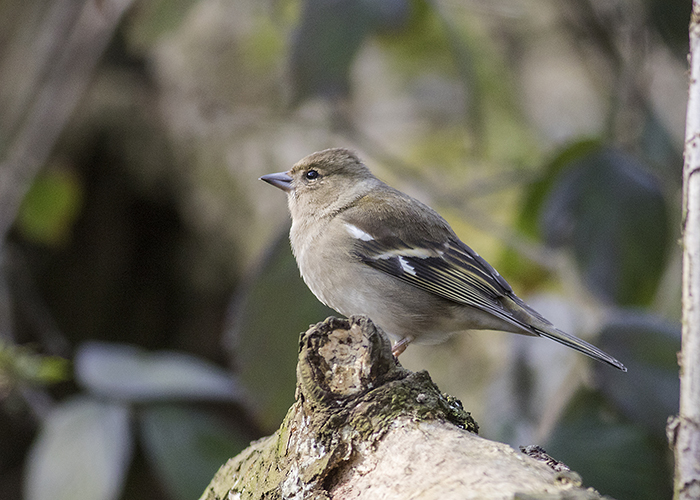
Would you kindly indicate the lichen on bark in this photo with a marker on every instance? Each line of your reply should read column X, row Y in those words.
column 363, row 426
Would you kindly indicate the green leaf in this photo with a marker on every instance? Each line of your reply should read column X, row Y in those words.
column 615, row 457
column 512, row 263
column 130, row 373
column 186, row 447
column 611, row 212
column 537, row 192
column 50, row 207
column 81, row 453
column 19, row 364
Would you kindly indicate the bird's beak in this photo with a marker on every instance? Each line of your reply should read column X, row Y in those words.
column 281, row 180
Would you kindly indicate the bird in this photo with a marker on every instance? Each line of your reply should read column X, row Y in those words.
column 363, row 247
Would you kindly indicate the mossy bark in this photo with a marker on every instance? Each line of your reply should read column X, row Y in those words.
column 364, row 427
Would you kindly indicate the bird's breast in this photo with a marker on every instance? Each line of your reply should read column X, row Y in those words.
column 325, row 263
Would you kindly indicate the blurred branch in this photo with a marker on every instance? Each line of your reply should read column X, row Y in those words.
column 620, row 36
column 466, row 69
column 67, row 62
column 581, row 19
column 685, row 429
column 29, row 56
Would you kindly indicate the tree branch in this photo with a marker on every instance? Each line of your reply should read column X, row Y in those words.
column 59, row 87
column 685, row 430
column 363, row 427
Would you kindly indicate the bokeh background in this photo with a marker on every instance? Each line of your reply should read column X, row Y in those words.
column 149, row 303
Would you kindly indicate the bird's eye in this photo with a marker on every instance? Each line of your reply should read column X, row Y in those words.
column 311, row 175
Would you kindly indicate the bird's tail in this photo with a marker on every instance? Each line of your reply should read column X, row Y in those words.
column 580, row 345
column 535, row 323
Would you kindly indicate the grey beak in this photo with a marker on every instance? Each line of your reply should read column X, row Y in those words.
column 280, row 180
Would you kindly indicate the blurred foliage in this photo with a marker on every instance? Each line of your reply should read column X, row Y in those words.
column 661, row 152
column 50, row 207
column 152, row 19
column 612, row 214
column 616, row 438
column 167, row 430
column 20, row 365
column 329, row 35
column 325, row 44
column 82, row 451
column 513, row 263
column 612, row 454
column 92, row 434
column 126, row 372
column 649, row 395
column 536, row 193
column 540, row 135
column 418, row 40
column 670, row 18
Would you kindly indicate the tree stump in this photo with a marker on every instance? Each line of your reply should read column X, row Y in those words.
column 363, row 427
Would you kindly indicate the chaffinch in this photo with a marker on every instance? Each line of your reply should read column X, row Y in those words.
column 364, row 247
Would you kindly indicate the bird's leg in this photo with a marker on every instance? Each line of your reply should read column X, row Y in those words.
column 400, row 346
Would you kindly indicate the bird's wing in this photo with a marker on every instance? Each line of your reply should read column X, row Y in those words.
column 410, row 241
column 449, row 269
column 455, row 272
column 439, row 263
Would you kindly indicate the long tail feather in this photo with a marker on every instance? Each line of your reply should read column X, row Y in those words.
column 580, row 345
column 534, row 322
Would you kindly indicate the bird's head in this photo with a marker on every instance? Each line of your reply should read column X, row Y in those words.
column 324, row 181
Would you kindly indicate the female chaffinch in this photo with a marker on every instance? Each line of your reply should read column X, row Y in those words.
column 364, row 247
